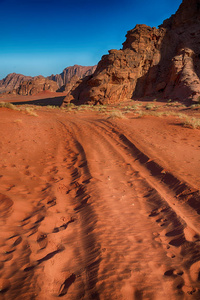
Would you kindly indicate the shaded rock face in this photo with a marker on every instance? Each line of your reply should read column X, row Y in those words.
column 68, row 73
column 70, row 85
column 163, row 62
column 35, row 86
column 12, row 81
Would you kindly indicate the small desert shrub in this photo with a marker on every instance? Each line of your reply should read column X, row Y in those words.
column 169, row 104
column 135, row 107
column 68, row 109
column 8, row 105
column 52, row 106
column 186, row 121
column 101, row 109
column 127, row 107
column 159, row 114
column 180, row 115
column 195, row 106
column 70, row 105
column 191, row 122
column 131, row 107
column 156, row 114
column 86, row 107
column 79, row 108
column 174, row 104
column 116, row 114
column 149, row 106
column 30, row 111
column 142, row 113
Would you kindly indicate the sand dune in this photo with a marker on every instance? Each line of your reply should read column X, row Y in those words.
column 95, row 208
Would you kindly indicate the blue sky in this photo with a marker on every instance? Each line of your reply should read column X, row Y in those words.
column 45, row 36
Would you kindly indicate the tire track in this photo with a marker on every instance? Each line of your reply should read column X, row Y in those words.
column 175, row 228
column 89, row 251
column 108, row 222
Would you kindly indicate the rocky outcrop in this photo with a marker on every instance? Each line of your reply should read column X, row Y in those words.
column 163, row 62
column 12, row 81
column 67, row 74
column 35, row 86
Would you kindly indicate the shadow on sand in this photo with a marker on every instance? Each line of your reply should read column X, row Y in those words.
column 56, row 101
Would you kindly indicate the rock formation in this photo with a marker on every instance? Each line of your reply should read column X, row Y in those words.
column 12, row 81
column 67, row 74
column 70, row 85
column 35, row 86
column 163, row 62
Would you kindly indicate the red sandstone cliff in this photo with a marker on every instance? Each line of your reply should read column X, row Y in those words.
column 162, row 62
column 12, row 81
column 35, row 86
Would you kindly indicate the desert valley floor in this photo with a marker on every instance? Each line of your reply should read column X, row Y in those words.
column 97, row 207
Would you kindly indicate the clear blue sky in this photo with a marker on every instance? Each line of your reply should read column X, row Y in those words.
column 45, row 36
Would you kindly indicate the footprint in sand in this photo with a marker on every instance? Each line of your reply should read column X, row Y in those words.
column 5, row 205
column 4, row 285
column 42, row 240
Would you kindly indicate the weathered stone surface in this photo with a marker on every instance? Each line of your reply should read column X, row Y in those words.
column 68, row 87
column 69, row 72
column 163, row 62
column 35, row 86
column 12, row 81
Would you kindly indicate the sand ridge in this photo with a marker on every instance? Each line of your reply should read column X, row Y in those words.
column 91, row 210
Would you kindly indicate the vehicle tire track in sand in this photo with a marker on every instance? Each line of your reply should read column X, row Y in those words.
column 107, row 223
column 89, row 253
column 172, row 225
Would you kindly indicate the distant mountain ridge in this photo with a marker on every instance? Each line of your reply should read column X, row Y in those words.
column 13, row 80
column 69, row 72
column 35, row 85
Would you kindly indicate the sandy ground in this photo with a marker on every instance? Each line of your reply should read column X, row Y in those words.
column 98, row 208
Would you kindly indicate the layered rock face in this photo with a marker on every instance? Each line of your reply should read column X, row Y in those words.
column 68, row 73
column 35, row 86
column 162, row 62
column 12, row 81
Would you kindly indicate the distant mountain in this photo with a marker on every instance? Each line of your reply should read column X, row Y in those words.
column 13, row 81
column 67, row 74
column 35, row 85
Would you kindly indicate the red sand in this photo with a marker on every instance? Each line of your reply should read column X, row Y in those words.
column 95, row 208
column 19, row 98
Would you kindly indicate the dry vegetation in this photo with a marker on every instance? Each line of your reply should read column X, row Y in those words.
column 189, row 116
column 7, row 105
